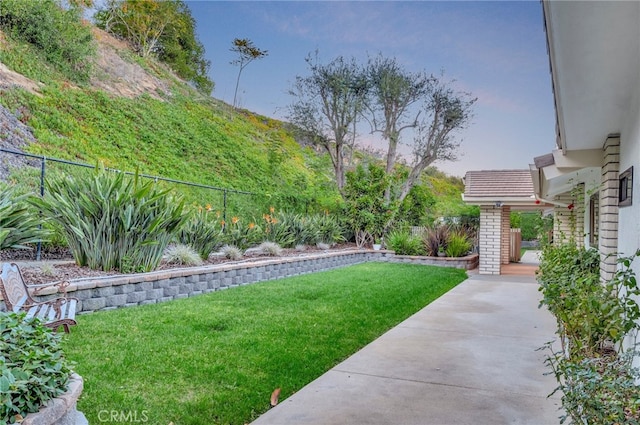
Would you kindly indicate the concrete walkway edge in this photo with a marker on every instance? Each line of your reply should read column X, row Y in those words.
column 470, row 357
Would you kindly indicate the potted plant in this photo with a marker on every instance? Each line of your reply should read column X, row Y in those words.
column 377, row 243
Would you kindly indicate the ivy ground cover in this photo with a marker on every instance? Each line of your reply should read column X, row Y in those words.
column 217, row 358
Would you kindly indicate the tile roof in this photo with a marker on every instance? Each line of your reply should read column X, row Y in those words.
column 496, row 184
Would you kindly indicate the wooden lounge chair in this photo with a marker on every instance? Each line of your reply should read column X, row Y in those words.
column 53, row 313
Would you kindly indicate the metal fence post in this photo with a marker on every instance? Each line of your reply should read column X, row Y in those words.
column 224, row 209
column 43, row 163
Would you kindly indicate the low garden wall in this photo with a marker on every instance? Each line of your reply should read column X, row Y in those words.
column 469, row 262
column 110, row 292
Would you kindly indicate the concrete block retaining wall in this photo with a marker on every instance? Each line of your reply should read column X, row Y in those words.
column 111, row 292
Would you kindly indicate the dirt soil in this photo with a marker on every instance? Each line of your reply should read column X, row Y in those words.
column 57, row 265
column 118, row 76
column 112, row 73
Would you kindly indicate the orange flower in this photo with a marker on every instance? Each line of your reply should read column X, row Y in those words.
column 272, row 210
column 208, row 207
column 222, row 222
column 252, row 225
column 274, row 221
column 234, row 220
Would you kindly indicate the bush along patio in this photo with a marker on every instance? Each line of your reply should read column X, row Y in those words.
column 597, row 329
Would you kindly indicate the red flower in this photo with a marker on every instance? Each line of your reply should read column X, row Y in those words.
column 571, row 206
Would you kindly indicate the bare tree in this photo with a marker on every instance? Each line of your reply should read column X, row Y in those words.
column 247, row 53
column 401, row 100
column 327, row 106
column 445, row 112
column 393, row 92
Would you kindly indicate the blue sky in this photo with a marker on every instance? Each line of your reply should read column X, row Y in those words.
column 494, row 50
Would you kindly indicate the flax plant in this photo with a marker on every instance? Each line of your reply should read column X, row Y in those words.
column 327, row 229
column 285, row 229
column 113, row 221
column 203, row 232
column 18, row 224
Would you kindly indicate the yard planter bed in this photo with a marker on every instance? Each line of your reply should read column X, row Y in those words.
column 110, row 292
column 60, row 410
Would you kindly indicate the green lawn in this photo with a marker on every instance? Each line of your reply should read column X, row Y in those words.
column 216, row 358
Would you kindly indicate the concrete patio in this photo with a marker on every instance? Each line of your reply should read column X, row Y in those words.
column 468, row 358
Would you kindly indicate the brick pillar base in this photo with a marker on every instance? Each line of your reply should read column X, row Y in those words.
column 490, row 239
column 608, row 240
column 505, row 235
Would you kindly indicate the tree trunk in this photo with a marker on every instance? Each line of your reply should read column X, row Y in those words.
column 391, row 160
column 235, row 93
column 339, row 169
column 414, row 175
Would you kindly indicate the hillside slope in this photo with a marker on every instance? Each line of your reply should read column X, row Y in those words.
column 137, row 115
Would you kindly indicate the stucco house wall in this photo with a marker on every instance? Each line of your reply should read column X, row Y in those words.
column 629, row 216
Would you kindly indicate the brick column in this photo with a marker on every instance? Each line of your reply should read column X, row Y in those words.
column 505, row 235
column 489, row 239
column 608, row 241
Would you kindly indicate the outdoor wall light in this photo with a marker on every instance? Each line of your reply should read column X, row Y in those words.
column 498, row 204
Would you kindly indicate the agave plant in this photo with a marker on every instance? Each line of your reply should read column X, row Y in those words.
column 113, row 221
column 19, row 225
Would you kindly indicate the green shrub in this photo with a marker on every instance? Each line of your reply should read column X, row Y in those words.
column 458, row 244
column 202, row 232
column 569, row 279
column 33, row 366
column 598, row 391
column 113, row 221
column 366, row 210
column 593, row 370
column 19, row 225
column 417, row 207
column 528, row 222
column 403, row 243
column 55, row 31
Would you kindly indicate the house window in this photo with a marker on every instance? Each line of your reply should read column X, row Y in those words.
column 594, row 220
column 626, row 188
